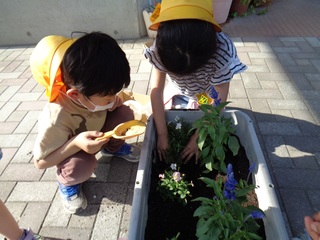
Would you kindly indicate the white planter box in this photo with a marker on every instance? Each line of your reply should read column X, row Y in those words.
column 268, row 202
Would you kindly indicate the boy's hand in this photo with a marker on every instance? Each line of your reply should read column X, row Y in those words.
column 191, row 149
column 86, row 141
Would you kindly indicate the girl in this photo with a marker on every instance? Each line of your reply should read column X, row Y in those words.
column 191, row 49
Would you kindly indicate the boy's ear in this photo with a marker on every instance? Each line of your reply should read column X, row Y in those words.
column 73, row 93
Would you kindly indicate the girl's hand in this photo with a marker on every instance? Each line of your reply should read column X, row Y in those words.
column 162, row 146
column 86, row 141
column 191, row 149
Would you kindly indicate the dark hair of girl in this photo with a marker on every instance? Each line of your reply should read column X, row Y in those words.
column 185, row 45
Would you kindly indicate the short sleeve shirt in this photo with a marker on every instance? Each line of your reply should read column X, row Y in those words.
column 220, row 68
column 60, row 120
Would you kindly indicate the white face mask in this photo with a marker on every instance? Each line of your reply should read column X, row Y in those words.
column 97, row 108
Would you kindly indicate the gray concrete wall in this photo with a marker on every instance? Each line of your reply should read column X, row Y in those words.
column 24, row 22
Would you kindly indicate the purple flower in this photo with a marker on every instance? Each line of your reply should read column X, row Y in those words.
column 257, row 214
column 230, row 185
column 214, row 95
column 176, row 176
column 252, row 167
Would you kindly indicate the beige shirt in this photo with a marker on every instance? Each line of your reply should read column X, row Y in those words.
column 60, row 120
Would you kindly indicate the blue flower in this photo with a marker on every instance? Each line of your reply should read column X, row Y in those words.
column 257, row 214
column 230, row 185
column 214, row 95
column 252, row 167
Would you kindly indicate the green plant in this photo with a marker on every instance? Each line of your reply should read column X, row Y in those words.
column 174, row 238
column 172, row 185
column 225, row 216
column 179, row 133
column 216, row 133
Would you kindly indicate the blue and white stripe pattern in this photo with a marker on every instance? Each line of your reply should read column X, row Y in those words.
column 219, row 69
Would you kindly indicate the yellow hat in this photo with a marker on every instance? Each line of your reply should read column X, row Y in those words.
column 185, row 9
column 45, row 61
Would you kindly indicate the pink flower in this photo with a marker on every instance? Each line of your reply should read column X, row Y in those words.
column 176, row 176
column 161, row 176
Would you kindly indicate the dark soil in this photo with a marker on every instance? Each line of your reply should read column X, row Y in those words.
column 166, row 219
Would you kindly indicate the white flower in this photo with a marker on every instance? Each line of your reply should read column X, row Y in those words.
column 177, row 118
column 173, row 166
column 178, row 126
column 176, row 176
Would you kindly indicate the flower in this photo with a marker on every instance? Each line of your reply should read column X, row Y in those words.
column 176, row 176
column 178, row 126
column 230, row 185
column 257, row 215
column 214, row 95
column 173, row 166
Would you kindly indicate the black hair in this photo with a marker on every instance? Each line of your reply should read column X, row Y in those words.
column 185, row 45
column 95, row 65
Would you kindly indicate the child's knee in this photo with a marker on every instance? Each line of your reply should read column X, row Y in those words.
column 77, row 168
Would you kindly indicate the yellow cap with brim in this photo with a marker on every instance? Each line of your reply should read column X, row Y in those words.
column 45, row 63
column 185, row 9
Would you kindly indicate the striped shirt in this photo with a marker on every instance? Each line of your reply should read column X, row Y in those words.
column 220, row 68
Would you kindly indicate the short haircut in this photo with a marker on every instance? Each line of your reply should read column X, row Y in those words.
column 95, row 65
column 185, row 45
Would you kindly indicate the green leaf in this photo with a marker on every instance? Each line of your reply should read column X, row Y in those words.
column 234, row 145
column 220, row 153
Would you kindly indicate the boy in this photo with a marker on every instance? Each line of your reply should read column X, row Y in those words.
column 83, row 103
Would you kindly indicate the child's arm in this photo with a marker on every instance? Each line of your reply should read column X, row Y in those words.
column 84, row 141
column 157, row 87
column 223, row 90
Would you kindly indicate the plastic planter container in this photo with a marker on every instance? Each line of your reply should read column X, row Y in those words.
column 268, row 202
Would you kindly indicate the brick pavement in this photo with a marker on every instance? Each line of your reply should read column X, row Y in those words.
column 280, row 91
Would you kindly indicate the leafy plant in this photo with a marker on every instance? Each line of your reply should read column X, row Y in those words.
column 215, row 135
column 172, row 185
column 179, row 133
column 225, row 216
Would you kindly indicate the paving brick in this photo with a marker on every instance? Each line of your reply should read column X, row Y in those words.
column 86, row 219
column 287, row 104
column 12, row 140
column 9, row 92
column 278, row 154
column 66, row 233
column 57, row 216
column 16, row 209
column 279, row 128
column 107, row 223
column 314, row 196
column 6, row 189
column 27, row 122
column 294, row 209
column 7, row 109
column 105, row 193
column 33, row 215
column 264, row 93
column 33, row 192
column 313, row 41
column 21, row 172
column 24, row 154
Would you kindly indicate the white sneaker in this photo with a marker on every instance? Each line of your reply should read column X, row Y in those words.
column 127, row 151
column 76, row 201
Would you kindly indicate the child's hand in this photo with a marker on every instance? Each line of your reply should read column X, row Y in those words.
column 313, row 226
column 191, row 149
column 162, row 146
column 86, row 141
